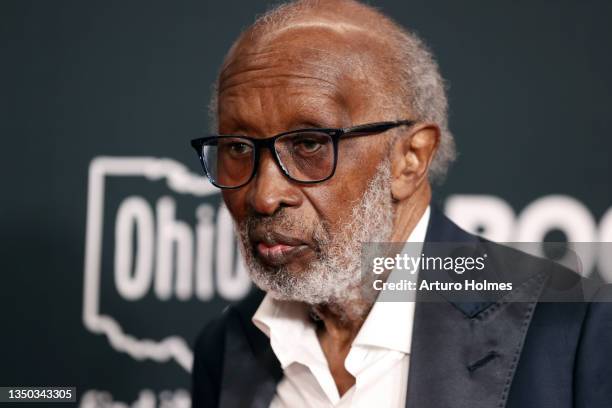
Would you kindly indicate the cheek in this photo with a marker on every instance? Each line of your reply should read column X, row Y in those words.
column 236, row 203
column 358, row 161
column 334, row 200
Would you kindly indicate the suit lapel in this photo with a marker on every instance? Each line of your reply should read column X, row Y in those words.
column 465, row 354
column 251, row 370
column 461, row 361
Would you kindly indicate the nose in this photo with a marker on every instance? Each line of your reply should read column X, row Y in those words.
column 270, row 190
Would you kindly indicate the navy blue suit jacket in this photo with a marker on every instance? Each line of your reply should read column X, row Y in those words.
column 464, row 354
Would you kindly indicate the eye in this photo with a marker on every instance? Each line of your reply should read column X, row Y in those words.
column 236, row 149
column 309, row 144
column 240, row 148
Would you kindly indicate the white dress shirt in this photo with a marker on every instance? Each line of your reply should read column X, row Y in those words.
column 378, row 359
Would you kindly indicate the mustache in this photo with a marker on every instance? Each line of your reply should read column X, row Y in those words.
column 284, row 227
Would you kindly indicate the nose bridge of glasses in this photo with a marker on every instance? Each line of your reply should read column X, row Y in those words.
column 266, row 156
column 265, row 144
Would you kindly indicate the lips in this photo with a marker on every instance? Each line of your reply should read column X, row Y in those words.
column 277, row 249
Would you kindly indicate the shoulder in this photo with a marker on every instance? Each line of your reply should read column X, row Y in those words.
column 593, row 364
column 235, row 316
column 209, row 346
column 596, row 330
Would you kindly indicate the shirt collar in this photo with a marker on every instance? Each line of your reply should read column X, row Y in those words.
column 389, row 324
column 292, row 334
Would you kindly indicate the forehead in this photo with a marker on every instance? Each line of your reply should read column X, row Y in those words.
column 305, row 70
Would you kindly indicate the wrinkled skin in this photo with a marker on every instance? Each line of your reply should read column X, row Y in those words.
column 314, row 75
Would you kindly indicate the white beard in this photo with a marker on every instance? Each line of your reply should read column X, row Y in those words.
column 335, row 277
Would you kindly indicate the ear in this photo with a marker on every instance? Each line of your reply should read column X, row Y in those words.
column 411, row 156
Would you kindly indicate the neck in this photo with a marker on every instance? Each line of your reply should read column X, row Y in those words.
column 408, row 213
column 343, row 321
column 340, row 323
column 336, row 334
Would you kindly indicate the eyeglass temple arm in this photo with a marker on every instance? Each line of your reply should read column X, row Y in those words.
column 376, row 127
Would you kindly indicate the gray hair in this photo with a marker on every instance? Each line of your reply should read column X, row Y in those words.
column 418, row 86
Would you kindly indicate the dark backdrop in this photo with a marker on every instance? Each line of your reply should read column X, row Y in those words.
column 102, row 97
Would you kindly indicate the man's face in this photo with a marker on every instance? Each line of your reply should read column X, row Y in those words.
column 305, row 77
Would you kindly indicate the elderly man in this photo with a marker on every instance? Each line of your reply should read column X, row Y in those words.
column 332, row 124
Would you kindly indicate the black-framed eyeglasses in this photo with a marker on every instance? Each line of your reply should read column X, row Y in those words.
column 305, row 155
